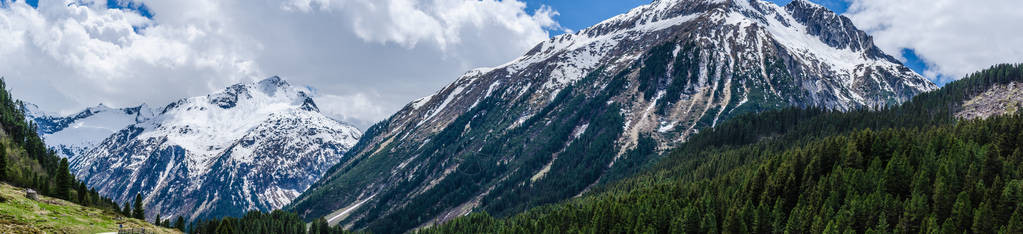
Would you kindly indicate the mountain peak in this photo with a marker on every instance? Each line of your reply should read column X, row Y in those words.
column 806, row 4
column 272, row 89
column 254, row 145
column 660, row 72
column 273, row 82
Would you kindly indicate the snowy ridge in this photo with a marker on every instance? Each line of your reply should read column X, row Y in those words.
column 671, row 68
column 251, row 146
column 76, row 134
column 839, row 73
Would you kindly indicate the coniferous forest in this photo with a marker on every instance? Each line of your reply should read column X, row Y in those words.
column 912, row 168
column 26, row 162
column 259, row 222
column 909, row 169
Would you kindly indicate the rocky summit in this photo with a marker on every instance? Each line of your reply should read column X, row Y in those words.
column 584, row 108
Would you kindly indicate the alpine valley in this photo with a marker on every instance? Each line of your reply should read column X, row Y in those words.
column 586, row 108
column 679, row 116
column 251, row 146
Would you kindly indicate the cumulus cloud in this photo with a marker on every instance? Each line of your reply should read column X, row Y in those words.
column 366, row 59
column 86, row 53
column 953, row 37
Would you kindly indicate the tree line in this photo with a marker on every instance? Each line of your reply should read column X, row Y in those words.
column 277, row 221
column 907, row 168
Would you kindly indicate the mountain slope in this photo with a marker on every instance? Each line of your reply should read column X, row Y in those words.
column 26, row 162
column 78, row 133
column 998, row 100
column 926, row 170
column 252, row 146
column 554, row 122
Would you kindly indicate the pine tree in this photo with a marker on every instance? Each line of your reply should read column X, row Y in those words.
column 158, row 219
column 180, row 223
column 138, row 211
column 882, row 223
column 962, row 213
column 3, row 162
column 690, row 219
column 779, row 217
column 321, row 226
column 45, row 187
column 35, row 181
column 852, row 156
column 982, row 219
column 63, row 181
column 93, row 196
column 83, row 194
column 914, row 214
column 1015, row 221
column 226, row 227
column 126, row 211
column 898, row 181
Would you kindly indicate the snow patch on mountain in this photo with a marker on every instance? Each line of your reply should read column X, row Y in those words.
column 76, row 134
column 671, row 68
column 250, row 146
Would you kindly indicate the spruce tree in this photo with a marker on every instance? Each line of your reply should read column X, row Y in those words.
column 3, row 163
column 126, row 211
column 962, row 212
column 157, row 220
column 137, row 211
column 180, row 223
column 83, row 194
column 225, row 226
column 321, row 224
column 63, row 181
column 93, row 196
column 1015, row 222
column 35, row 181
column 982, row 219
column 45, row 187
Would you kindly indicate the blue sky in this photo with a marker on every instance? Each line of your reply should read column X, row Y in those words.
column 574, row 16
column 142, row 9
column 65, row 57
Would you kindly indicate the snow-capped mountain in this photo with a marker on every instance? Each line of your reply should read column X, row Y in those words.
column 76, row 134
column 251, row 146
column 577, row 107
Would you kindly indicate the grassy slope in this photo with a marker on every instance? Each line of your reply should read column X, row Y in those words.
column 18, row 214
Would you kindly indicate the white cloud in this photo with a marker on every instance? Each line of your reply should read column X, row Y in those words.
column 954, row 37
column 357, row 109
column 67, row 55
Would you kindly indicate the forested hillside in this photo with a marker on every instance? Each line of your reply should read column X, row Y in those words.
column 906, row 169
column 277, row 221
column 26, row 162
column 564, row 117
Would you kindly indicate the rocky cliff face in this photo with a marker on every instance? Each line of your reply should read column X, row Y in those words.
column 252, row 146
column 998, row 100
column 579, row 108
